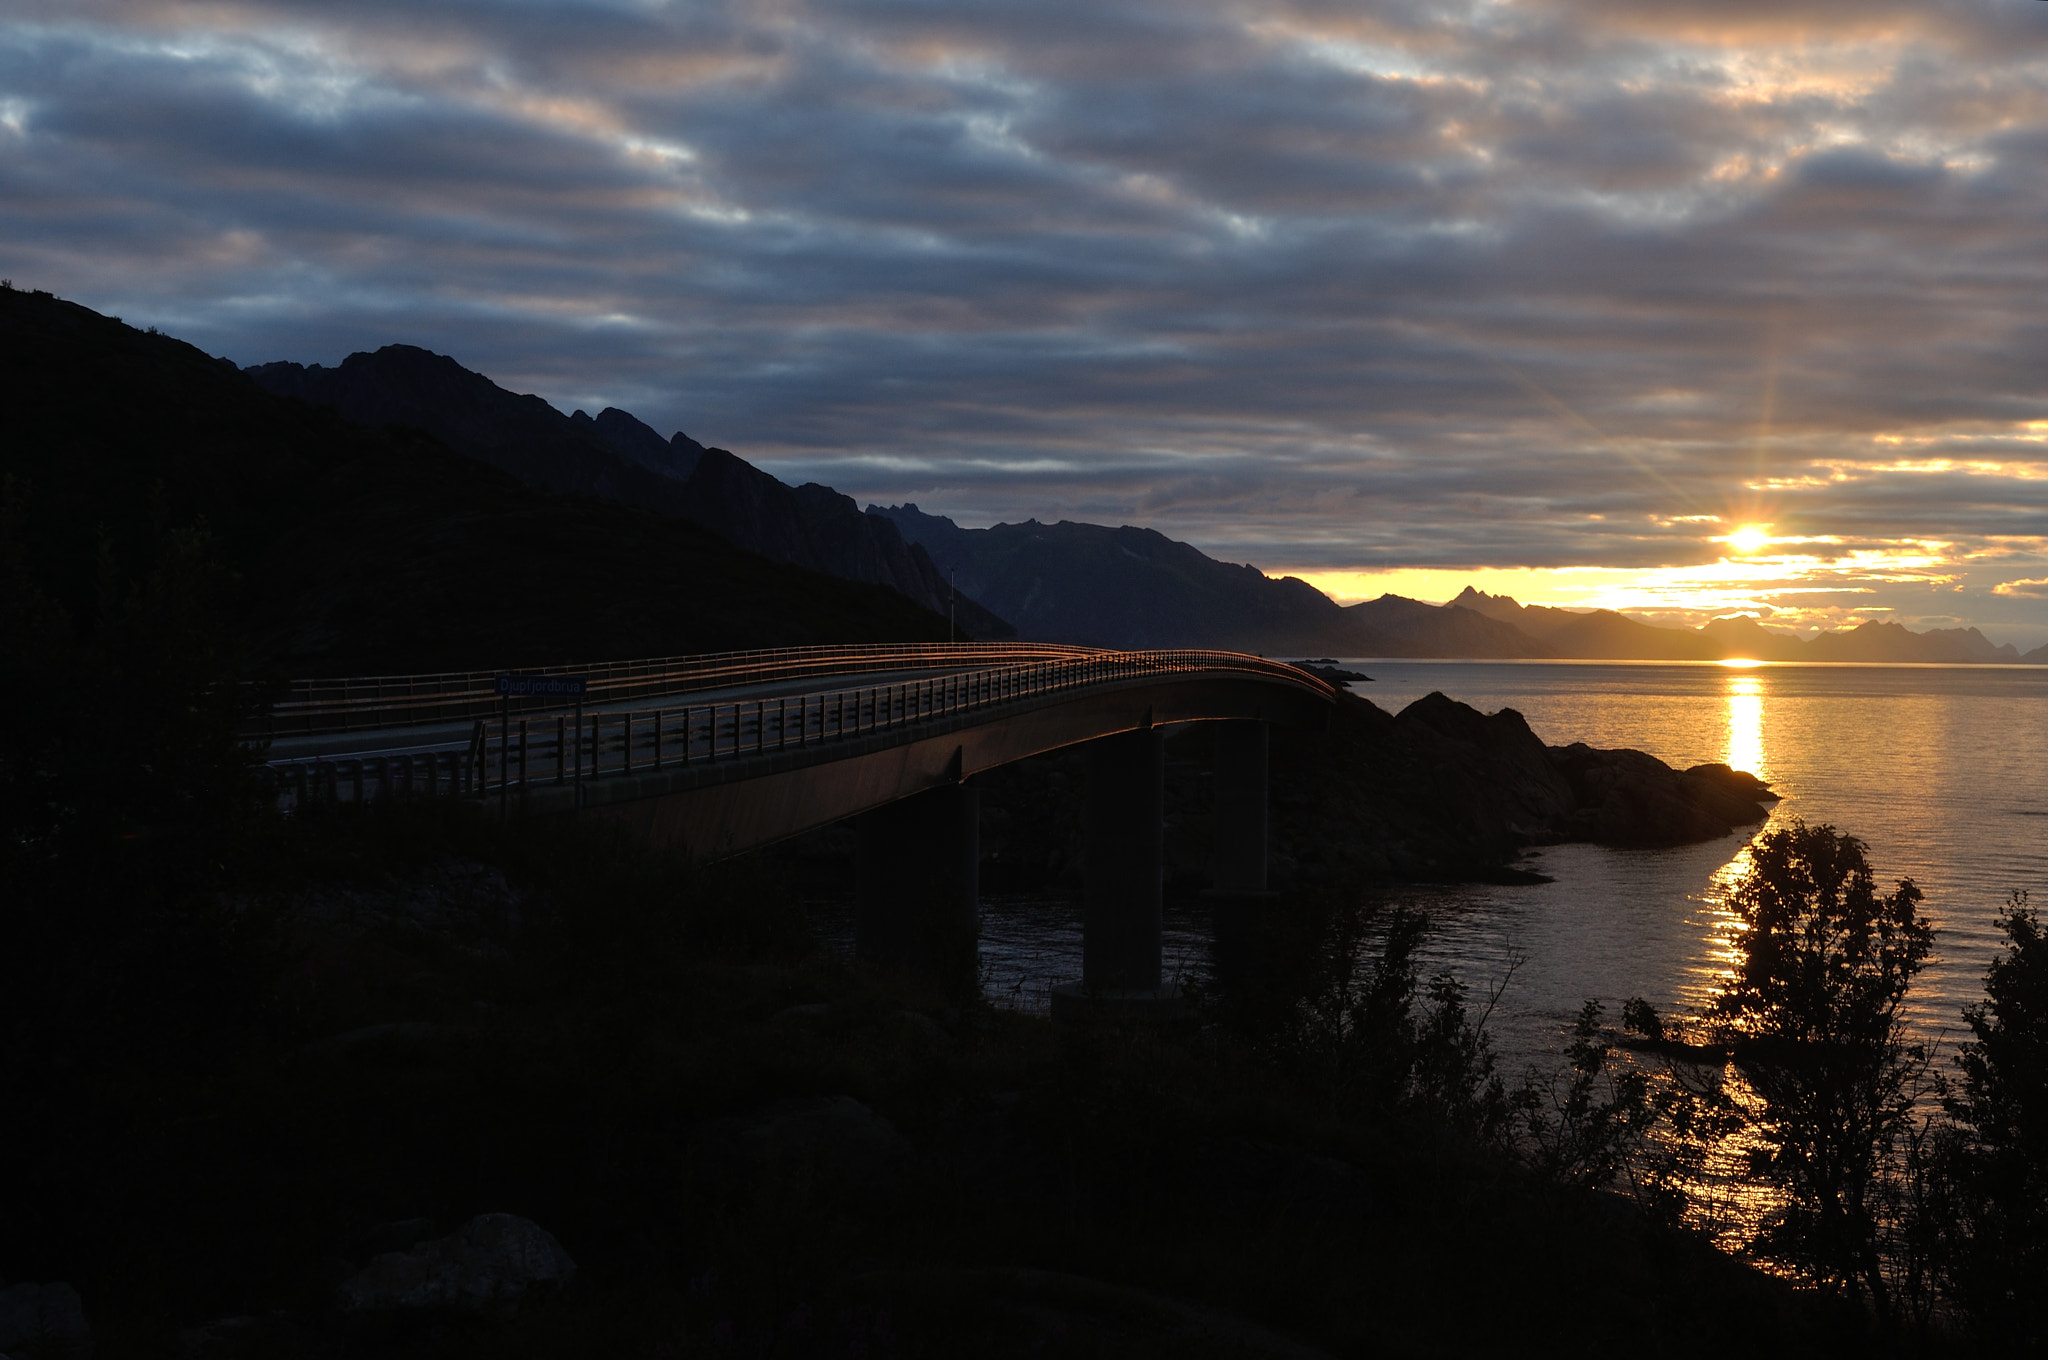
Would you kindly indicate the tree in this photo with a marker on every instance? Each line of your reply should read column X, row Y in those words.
column 125, row 790
column 1381, row 1043
column 1813, row 1013
column 1996, row 1188
column 1588, row 1124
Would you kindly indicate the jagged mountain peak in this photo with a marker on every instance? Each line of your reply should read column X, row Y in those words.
column 625, row 434
column 616, row 456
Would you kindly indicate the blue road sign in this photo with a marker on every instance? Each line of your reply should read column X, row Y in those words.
column 544, row 686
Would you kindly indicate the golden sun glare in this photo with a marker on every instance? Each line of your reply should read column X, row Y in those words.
column 1750, row 538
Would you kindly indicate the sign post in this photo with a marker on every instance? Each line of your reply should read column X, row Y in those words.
column 542, row 686
column 577, row 687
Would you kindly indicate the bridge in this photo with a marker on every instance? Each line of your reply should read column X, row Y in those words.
column 726, row 753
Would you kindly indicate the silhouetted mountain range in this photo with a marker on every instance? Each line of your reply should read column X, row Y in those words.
column 374, row 547
column 1123, row 587
column 616, row 457
column 1132, row 587
column 1068, row 582
column 1603, row 634
column 355, row 550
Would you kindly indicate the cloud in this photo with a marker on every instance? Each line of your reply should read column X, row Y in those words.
column 1335, row 287
column 2031, row 589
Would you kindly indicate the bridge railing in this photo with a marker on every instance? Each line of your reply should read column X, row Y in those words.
column 512, row 753
column 314, row 707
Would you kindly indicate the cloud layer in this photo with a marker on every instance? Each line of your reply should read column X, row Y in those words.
column 1331, row 288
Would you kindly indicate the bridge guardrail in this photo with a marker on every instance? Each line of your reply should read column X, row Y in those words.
column 527, row 750
column 316, row 707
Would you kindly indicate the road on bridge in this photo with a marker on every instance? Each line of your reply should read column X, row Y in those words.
column 723, row 754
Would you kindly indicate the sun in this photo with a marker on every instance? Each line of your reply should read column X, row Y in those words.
column 1750, row 538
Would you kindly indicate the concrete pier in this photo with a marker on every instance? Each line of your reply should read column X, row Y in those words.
column 1240, row 806
column 919, row 875
column 1122, row 856
column 1238, row 902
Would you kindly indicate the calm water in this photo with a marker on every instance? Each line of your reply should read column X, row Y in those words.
column 1942, row 770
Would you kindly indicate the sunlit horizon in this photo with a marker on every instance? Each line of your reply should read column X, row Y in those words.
column 1799, row 585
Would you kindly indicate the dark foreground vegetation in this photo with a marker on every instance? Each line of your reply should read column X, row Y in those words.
column 235, row 1076
column 1912, row 1183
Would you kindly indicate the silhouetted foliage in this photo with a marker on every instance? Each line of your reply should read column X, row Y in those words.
column 1989, row 1206
column 125, row 795
column 1384, row 1044
column 1814, row 1015
column 1588, row 1123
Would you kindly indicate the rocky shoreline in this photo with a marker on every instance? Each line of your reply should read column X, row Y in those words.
column 1441, row 792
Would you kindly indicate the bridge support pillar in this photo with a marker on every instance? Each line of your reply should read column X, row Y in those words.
column 1121, row 864
column 1239, row 899
column 919, row 873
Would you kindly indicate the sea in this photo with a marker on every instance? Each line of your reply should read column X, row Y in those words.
column 1941, row 770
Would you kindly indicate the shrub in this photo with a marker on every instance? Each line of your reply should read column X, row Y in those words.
column 1991, row 1192
column 1813, row 1014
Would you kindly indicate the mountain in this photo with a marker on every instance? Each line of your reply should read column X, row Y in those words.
column 1130, row 587
column 1602, row 634
column 352, row 550
column 1598, row 635
column 1894, row 642
column 1742, row 636
column 1447, row 630
column 616, row 457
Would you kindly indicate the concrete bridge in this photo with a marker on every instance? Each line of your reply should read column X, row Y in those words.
column 726, row 753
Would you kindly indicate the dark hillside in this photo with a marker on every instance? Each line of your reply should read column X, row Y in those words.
column 1130, row 587
column 414, row 388
column 360, row 551
column 619, row 458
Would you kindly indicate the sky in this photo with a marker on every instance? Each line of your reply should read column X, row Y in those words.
column 1677, row 306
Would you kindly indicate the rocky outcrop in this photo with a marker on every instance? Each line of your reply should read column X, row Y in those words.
column 43, row 1322
column 1629, row 798
column 1443, row 792
column 487, row 1265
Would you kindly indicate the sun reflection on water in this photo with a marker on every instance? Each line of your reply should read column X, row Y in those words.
column 1726, row 1201
column 1745, row 700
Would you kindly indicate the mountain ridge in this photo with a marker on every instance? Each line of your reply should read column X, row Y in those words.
column 1134, row 587
column 1604, row 634
column 1126, row 586
column 614, row 456
column 342, row 548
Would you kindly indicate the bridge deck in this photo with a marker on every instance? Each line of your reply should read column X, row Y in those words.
column 739, row 754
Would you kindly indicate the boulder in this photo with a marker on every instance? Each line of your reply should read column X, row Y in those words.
column 245, row 1336
column 1631, row 798
column 488, row 1264
column 43, row 1322
column 829, row 1138
column 1245, row 1180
